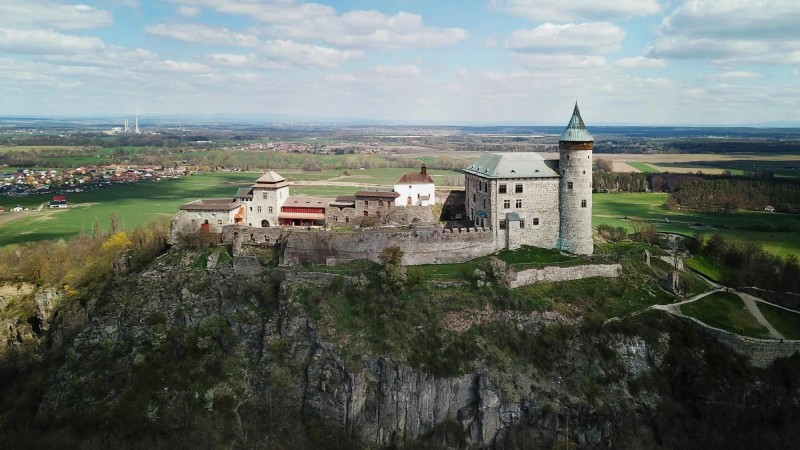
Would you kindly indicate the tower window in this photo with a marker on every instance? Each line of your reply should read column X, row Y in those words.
column 270, row 209
column 567, row 156
column 583, row 203
column 264, row 195
column 584, row 172
column 502, row 224
column 259, row 209
column 569, row 184
column 502, row 189
column 536, row 221
column 518, row 189
column 522, row 223
column 519, row 203
column 506, row 204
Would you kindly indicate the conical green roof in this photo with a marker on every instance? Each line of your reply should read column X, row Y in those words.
column 576, row 131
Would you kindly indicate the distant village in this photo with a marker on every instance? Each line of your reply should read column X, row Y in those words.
column 23, row 182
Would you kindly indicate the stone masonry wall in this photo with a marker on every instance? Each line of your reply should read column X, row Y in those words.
column 576, row 220
column 420, row 246
column 551, row 274
column 759, row 352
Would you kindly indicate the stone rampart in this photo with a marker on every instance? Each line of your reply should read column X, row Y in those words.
column 759, row 352
column 420, row 246
column 551, row 274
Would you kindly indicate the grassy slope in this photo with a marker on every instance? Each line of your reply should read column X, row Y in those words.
column 726, row 311
column 787, row 323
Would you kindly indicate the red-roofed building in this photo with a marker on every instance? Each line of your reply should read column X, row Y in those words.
column 59, row 201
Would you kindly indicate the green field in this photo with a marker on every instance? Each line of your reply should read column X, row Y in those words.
column 642, row 167
column 133, row 204
column 617, row 210
column 726, row 311
column 786, row 322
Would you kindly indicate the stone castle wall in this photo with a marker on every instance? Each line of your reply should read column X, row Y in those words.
column 420, row 246
column 759, row 352
column 551, row 274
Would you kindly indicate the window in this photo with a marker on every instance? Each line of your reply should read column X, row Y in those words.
column 569, row 184
column 251, row 208
column 380, row 202
column 335, row 218
column 484, row 203
column 269, row 209
column 506, row 204
column 519, row 203
column 366, row 203
column 583, row 203
column 522, row 223
column 366, row 213
column 259, row 209
column 473, row 197
column 502, row 189
column 536, row 221
column 219, row 222
column 518, row 189
column 265, row 195
column 502, row 224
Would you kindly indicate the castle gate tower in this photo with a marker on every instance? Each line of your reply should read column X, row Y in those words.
column 575, row 196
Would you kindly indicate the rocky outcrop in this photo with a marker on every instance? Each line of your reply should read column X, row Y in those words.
column 380, row 399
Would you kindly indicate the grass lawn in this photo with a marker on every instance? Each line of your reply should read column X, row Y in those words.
column 787, row 323
column 617, row 210
column 726, row 311
column 133, row 204
column 642, row 167
column 707, row 267
column 323, row 191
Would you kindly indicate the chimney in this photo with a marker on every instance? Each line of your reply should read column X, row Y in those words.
column 423, row 169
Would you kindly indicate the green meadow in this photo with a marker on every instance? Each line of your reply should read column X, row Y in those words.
column 618, row 210
column 642, row 167
column 726, row 311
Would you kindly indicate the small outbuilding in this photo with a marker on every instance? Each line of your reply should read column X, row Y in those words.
column 415, row 189
column 59, row 201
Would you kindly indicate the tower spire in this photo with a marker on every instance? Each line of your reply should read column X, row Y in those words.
column 576, row 130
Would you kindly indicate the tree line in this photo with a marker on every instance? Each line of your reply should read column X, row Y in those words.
column 730, row 194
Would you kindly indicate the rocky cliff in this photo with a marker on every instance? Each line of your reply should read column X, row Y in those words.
column 195, row 342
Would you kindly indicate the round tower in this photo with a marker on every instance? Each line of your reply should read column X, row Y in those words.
column 575, row 197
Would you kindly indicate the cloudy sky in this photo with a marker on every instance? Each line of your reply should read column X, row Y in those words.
column 693, row 62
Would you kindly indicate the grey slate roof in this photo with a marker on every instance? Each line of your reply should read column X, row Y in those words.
column 576, row 131
column 514, row 165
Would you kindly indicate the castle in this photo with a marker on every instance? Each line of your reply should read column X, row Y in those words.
column 514, row 199
column 528, row 200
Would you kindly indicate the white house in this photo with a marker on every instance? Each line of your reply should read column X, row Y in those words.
column 415, row 189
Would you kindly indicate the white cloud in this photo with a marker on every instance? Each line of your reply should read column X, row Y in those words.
column 551, row 62
column 232, row 60
column 51, row 14
column 640, row 62
column 732, row 32
column 266, row 11
column 188, row 11
column 569, row 10
column 45, row 42
column 203, row 34
column 178, row 66
column 601, row 37
column 371, row 29
column 738, row 75
column 299, row 54
column 401, row 70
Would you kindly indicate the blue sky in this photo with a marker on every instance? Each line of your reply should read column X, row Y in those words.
column 649, row 62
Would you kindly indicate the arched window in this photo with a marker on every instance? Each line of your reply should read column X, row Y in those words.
column 264, row 224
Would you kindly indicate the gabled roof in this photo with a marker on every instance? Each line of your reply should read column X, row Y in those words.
column 415, row 178
column 211, row 204
column 576, row 130
column 244, row 192
column 514, row 165
column 306, row 201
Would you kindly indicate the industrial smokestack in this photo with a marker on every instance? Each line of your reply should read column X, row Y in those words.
column 136, row 130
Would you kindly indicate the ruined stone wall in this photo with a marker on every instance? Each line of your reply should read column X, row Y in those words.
column 551, row 274
column 759, row 352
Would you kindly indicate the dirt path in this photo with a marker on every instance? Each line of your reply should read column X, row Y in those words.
column 750, row 302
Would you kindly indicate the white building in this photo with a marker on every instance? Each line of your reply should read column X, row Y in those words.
column 266, row 198
column 210, row 214
column 415, row 189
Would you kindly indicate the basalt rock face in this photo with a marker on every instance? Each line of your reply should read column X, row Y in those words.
column 379, row 399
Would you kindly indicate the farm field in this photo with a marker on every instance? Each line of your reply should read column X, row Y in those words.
column 642, row 167
column 617, row 210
